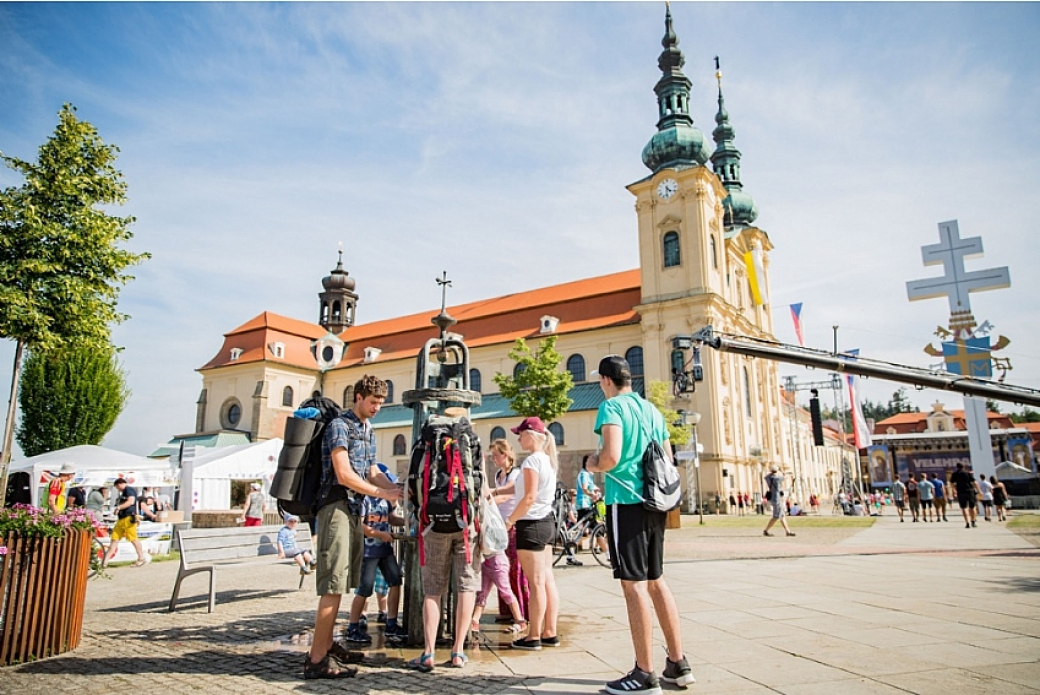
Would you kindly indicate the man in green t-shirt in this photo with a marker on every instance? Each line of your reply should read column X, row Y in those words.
column 625, row 424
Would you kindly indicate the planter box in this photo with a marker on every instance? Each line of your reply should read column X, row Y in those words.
column 43, row 586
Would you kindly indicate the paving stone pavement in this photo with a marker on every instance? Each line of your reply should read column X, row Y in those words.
column 920, row 608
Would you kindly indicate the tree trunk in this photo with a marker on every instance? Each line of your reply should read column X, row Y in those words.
column 5, row 457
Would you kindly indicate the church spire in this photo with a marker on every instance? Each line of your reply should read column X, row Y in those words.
column 677, row 142
column 338, row 301
column 741, row 209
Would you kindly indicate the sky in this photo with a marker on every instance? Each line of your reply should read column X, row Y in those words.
column 494, row 141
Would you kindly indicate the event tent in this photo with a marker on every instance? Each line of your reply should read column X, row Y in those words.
column 214, row 469
column 96, row 465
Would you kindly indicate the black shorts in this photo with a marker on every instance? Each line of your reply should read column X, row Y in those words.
column 535, row 535
column 987, row 503
column 636, row 539
column 586, row 513
column 926, row 504
column 966, row 501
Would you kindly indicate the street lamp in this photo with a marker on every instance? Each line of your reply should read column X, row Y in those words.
column 693, row 419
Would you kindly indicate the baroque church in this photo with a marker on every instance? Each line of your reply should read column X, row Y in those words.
column 695, row 226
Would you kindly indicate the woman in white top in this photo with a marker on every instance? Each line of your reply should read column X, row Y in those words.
column 535, row 527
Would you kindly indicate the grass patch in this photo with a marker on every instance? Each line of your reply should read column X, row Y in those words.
column 1024, row 521
column 172, row 555
column 756, row 521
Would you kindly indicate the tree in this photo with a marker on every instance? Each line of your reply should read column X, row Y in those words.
column 658, row 394
column 1027, row 415
column 539, row 387
column 61, row 267
column 68, row 397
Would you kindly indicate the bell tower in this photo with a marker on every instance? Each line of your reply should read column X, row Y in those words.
column 338, row 301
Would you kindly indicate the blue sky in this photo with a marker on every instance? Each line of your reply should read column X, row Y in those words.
column 256, row 137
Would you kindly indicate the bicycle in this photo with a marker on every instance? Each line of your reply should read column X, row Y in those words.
column 567, row 542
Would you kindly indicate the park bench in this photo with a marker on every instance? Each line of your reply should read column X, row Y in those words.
column 203, row 550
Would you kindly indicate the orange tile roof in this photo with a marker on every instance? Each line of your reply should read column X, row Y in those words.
column 582, row 305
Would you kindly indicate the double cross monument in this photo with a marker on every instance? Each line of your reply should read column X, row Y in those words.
column 966, row 348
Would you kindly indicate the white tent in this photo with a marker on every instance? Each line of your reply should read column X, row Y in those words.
column 96, row 465
column 214, row 469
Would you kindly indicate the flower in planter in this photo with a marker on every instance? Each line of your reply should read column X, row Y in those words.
column 3, row 550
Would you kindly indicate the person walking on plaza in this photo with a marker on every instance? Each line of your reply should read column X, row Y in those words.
column 625, row 423
column 926, row 490
column 96, row 502
column 126, row 525
column 775, row 496
column 967, row 494
column 912, row 497
column 254, row 507
column 535, row 527
column 349, row 471
column 986, row 496
column 940, row 497
column 504, row 494
column 1000, row 497
column 899, row 497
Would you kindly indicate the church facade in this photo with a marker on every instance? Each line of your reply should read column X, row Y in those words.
column 696, row 232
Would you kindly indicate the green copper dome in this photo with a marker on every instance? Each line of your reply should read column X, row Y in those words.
column 741, row 209
column 677, row 142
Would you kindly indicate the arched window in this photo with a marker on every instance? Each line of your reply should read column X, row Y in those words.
column 287, row 396
column 671, row 249
column 747, row 393
column 557, row 432
column 518, row 369
column 474, row 380
column 634, row 357
column 389, row 391
column 714, row 253
column 348, row 398
column 497, row 433
column 576, row 366
column 400, row 445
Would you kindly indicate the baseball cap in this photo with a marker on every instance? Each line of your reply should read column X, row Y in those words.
column 529, row 423
column 255, row 486
column 613, row 367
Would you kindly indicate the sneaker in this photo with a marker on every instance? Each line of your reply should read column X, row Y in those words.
column 574, row 562
column 396, row 631
column 678, row 672
column 531, row 645
column 305, row 570
column 381, row 618
column 358, row 636
column 967, row 525
column 553, row 641
column 363, row 622
column 973, row 525
column 637, row 681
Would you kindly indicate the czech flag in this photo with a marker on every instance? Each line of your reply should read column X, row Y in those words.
column 796, row 316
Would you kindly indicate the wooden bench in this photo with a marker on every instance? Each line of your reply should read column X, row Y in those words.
column 202, row 550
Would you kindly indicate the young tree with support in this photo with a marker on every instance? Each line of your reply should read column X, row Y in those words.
column 61, row 265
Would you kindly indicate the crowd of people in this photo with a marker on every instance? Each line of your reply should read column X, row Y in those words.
column 357, row 502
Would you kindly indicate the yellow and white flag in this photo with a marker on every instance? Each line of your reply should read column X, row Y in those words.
column 756, row 272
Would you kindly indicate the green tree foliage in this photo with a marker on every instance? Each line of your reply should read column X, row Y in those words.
column 539, row 388
column 658, row 393
column 61, row 265
column 69, row 396
column 60, row 262
column 1027, row 415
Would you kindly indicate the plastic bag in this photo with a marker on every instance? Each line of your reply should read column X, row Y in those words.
column 494, row 537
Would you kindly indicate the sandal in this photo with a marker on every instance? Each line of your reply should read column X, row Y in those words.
column 345, row 656
column 463, row 659
column 326, row 668
column 420, row 664
column 517, row 628
column 474, row 627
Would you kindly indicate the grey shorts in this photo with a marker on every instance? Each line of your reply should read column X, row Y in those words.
column 442, row 551
column 779, row 509
column 340, row 550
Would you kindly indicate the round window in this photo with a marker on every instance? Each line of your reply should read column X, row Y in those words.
column 234, row 414
column 328, row 353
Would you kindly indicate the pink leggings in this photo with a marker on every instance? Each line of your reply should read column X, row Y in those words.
column 495, row 570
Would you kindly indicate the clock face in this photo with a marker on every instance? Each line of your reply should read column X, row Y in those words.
column 667, row 188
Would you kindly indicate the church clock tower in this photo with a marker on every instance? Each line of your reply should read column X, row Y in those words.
column 338, row 300
column 694, row 231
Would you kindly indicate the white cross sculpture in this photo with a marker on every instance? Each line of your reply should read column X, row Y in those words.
column 955, row 283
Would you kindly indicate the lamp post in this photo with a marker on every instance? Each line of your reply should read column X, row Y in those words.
column 693, row 453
